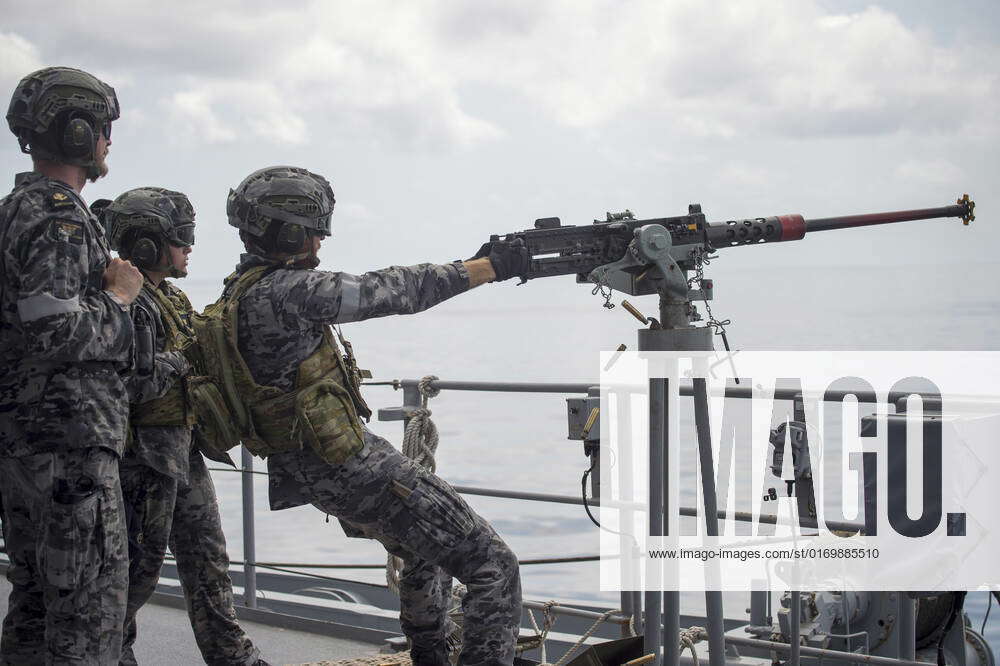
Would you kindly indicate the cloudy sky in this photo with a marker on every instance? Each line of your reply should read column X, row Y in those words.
column 441, row 122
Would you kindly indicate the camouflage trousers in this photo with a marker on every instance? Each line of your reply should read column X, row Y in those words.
column 381, row 494
column 64, row 526
column 162, row 512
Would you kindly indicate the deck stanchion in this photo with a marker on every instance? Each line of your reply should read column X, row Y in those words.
column 637, row 619
column 249, row 543
column 907, row 626
column 795, row 617
column 671, row 597
column 630, row 598
column 657, row 457
column 713, row 598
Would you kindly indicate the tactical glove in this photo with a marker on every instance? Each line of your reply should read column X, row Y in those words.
column 177, row 362
column 509, row 258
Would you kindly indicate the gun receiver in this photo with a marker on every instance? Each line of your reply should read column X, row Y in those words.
column 641, row 257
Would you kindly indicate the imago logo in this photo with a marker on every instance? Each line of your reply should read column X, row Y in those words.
column 794, row 464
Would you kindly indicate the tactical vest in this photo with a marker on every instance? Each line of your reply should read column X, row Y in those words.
column 173, row 408
column 323, row 410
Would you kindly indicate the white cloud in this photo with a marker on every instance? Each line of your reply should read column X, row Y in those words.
column 354, row 211
column 931, row 172
column 739, row 173
column 18, row 57
column 193, row 113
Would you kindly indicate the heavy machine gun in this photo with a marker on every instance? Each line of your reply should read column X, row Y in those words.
column 640, row 257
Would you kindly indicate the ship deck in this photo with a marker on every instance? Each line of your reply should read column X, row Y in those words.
column 165, row 638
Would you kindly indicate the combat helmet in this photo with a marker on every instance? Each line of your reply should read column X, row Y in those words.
column 140, row 221
column 296, row 198
column 57, row 113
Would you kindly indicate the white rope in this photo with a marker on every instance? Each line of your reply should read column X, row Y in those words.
column 548, row 619
column 420, row 442
column 583, row 639
column 541, row 635
column 690, row 636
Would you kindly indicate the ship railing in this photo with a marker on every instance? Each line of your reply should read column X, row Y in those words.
column 630, row 617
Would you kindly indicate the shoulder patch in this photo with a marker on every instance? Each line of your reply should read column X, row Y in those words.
column 66, row 230
column 59, row 201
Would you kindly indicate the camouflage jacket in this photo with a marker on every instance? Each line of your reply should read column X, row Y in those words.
column 282, row 318
column 63, row 338
column 163, row 448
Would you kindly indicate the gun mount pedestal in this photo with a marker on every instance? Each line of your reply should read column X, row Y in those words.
column 674, row 332
column 675, row 339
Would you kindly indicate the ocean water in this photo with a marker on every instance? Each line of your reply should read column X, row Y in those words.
column 553, row 330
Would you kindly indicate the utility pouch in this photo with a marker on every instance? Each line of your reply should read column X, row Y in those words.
column 215, row 430
column 145, row 349
column 327, row 420
column 73, row 550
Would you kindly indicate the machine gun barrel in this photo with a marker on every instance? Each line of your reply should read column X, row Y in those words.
column 849, row 221
column 794, row 227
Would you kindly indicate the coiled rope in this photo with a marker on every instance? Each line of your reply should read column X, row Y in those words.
column 420, row 442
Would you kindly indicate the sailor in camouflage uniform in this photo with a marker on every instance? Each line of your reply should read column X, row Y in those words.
column 169, row 494
column 65, row 337
column 303, row 407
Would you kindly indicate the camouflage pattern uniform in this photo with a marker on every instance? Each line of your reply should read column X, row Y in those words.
column 170, row 500
column 380, row 493
column 63, row 409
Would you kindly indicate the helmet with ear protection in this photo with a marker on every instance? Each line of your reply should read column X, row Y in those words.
column 58, row 113
column 300, row 201
column 141, row 222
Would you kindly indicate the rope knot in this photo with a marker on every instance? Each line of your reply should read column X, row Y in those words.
column 688, row 637
column 425, row 388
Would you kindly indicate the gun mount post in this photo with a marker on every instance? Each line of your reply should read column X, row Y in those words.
column 675, row 334
column 249, row 540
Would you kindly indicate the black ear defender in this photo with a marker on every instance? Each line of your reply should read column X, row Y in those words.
column 146, row 252
column 78, row 138
column 290, row 238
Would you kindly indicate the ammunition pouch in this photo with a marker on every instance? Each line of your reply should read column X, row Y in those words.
column 274, row 426
column 328, row 421
column 214, row 432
